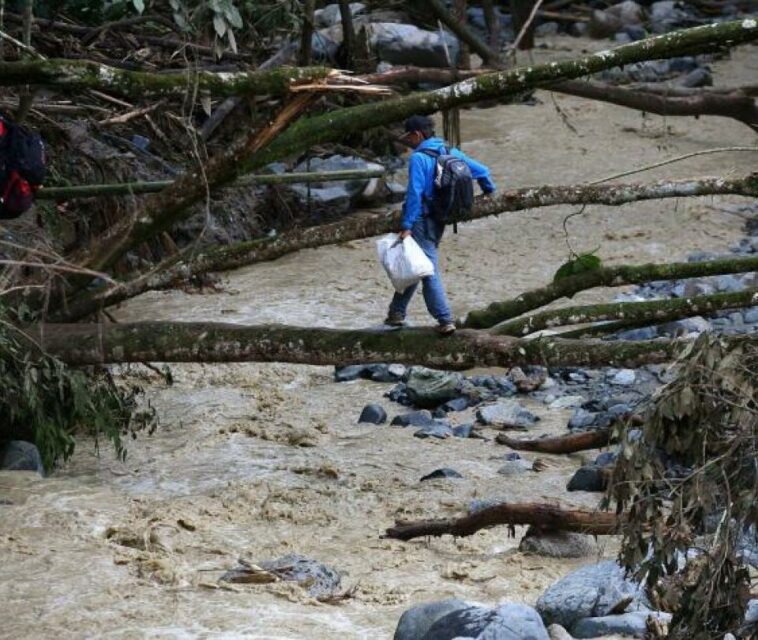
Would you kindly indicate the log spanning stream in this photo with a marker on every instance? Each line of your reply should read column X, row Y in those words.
column 258, row 461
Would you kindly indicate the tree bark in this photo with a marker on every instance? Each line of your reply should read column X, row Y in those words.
column 459, row 13
column 604, row 277
column 520, row 12
column 171, row 206
column 544, row 516
column 136, row 188
column 83, row 344
column 493, row 25
column 26, row 98
column 348, row 34
column 651, row 311
column 461, row 30
column 179, row 269
column 74, row 75
column 570, row 443
column 306, row 37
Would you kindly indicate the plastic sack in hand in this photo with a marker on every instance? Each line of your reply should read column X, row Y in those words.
column 404, row 261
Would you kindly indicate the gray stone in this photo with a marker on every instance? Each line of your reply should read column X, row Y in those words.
column 395, row 192
column 515, row 467
column 428, row 387
column 330, row 15
column 463, row 430
column 546, row 29
column 557, row 632
column 643, row 333
column 413, row 419
column 349, row 373
column 477, row 505
column 697, row 324
column 567, row 402
column 665, row 16
column 751, row 615
column 438, row 430
column 587, row 478
column 613, row 19
column 592, row 591
column 628, row 624
column 415, row 622
column 700, row 77
column 751, row 315
column 373, row 414
column 509, row 621
column 606, row 459
column 729, row 283
column 456, row 404
column 507, row 414
column 444, row 472
column 19, row 455
column 557, row 544
column 406, row 44
column 318, row 579
column 625, row 377
column 581, row 419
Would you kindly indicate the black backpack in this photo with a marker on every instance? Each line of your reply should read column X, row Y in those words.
column 22, row 168
column 453, row 194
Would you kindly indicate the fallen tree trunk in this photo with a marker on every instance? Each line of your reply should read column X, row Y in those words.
column 460, row 29
column 545, row 516
column 618, row 276
column 652, row 311
column 171, row 206
column 82, row 344
column 74, row 75
column 570, row 443
column 135, row 188
column 180, row 268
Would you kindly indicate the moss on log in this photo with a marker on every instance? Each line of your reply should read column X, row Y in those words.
column 621, row 275
column 650, row 311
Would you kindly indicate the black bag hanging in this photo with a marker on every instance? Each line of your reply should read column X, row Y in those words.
column 453, row 195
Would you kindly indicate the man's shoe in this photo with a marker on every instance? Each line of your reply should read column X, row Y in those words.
column 446, row 329
column 394, row 319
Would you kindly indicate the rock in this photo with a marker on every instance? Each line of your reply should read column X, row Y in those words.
column 463, row 430
column 613, row 19
column 606, row 459
column 557, row 544
column 581, row 419
column 686, row 326
column 374, row 414
column 350, row 372
column 557, row 632
column 700, row 77
column 751, row 315
column 628, row 624
column 567, row 402
column 507, row 414
column 19, row 455
column 529, row 378
column 406, row 44
column 318, row 579
column 477, row 505
column 330, row 15
column 399, row 394
column 515, row 467
column 546, row 29
column 413, row 419
column 386, row 372
column 619, row 410
column 751, row 614
column 625, row 377
column 509, row 621
column 729, row 284
column 622, row 37
column 444, row 472
column 415, row 622
column 456, row 404
column 592, row 591
column 587, row 478
column 666, row 15
column 437, row 430
column 395, row 192
column 429, row 387
column 635, row 32
column 643, row 333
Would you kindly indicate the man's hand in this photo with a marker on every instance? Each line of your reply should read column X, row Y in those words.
column 405, row 233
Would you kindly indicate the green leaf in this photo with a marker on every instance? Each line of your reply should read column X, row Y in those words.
column 581, row 264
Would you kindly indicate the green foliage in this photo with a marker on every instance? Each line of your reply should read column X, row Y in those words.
column 578, row 264
column 47, row 402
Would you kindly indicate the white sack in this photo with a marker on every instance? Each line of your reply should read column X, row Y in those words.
column 404, row 262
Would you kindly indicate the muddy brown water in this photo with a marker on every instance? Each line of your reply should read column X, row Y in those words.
column 256, row 461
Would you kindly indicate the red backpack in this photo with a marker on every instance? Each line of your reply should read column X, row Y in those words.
column 22, row 168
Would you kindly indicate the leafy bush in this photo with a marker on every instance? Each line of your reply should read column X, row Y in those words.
column 47, row 402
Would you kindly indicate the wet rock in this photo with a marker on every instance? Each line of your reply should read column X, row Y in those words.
column 627, row 624
column 625, row 377
column 528, row 379
column 399, row 394
column 374, row 414
column 463, row 430
column 456, row 404
column 350, row 372
column 729, row 284
column 613, row 19
column 330, row 14
column 395, row 192
column 413, row 419
column 19, row 455
column 515, row 467
column 406, row 44
column 587, row 478
column 438, row 430
column 444, row 472
column 557, row 544
column 684, row 327
column 593, row 591
column 557, row 632
column 751, row 617
column 567, row 402
column 643, row 333
column 751, row 316
column 619, row 410
column 477, row 505
column 581, row 419
column 509, row 621
column 700, row 77
column 428, row 387
column 507, row 414
column 667, row 15
column 319, row 580
column 387, row 372
column 606, row 459
column 415, row 622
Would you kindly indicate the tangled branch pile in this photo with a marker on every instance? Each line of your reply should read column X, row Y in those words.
column 690, row 487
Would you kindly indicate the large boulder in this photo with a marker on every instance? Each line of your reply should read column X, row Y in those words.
column 557, row 544
column 626, row 624
column 407, row 44
column 19, row 455
column 507, row 414
column 415, row 622
column 589, row 592
column 430, row 388
column 509, row 621
column 330, row 15
column 588, row 478
column 616, row 18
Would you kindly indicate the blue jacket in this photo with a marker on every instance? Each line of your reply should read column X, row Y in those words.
column 421, row 169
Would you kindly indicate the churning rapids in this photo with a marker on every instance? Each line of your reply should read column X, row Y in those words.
column 257, row 461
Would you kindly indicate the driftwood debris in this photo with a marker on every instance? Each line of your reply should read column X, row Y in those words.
column 570, row 443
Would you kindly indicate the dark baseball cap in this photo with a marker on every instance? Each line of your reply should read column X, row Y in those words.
column 419, row 123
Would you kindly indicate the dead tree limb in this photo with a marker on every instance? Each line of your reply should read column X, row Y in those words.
column 171, row 205
column 306, row 35
column 545, row 516
column 180, row 268
column 617, row 276
column 570, row 443
column 81, row 344
column 462, row 31
column 348, row 33
column 652, row 311
column 74, row 75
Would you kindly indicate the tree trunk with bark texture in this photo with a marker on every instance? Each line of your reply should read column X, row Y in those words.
column 570, row 443
column 649, row 312
column 179, row 268
column 618, row 276
column 306, row 35
column 520, row 12
column 493, row 25
column 461, row 30
column 544, row 516
column 348, row 34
